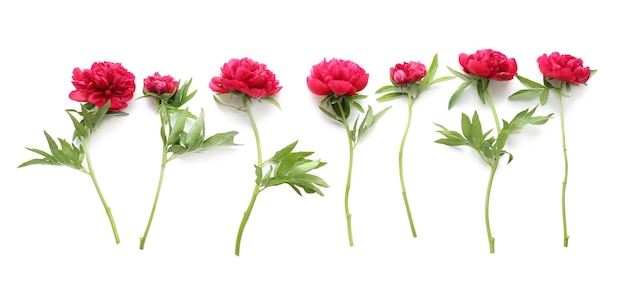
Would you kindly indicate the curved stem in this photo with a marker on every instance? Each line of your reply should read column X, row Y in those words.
column 95, row 183
column 347, row 193
column 489, row 237
column 255, row 193
column 142, row 240
column 400, row 155
column 493, row 111
column 565, row 236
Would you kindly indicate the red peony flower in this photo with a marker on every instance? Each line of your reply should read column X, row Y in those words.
column 407, row 73
column 337, row 77
column 159, row 85
column 566, row 68
column 489, row 64
column 246, row 76
column 105, row 81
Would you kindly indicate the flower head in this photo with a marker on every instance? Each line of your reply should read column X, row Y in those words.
column 407, row 73
column 339, row 77
column 158, row 85
column 105, row 81
column 246, row 76
column 563, row 67
column 489, row 64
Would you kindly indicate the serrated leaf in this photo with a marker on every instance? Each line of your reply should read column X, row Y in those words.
column 458, row 92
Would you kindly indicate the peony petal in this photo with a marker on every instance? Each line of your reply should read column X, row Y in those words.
column 317, row 87
column 340, row 87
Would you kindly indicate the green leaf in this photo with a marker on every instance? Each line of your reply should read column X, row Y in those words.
column 458, row 92
column 440, row 79
column 42, row 153
column 543, row 97
column 481, row 87
column 37, row 162
column 459, row 74
column 466, row 126
column 220, row 102
column 388, row 88
column 357, row 106
column 477, row 130
column 529, row 83
column 273, row 101
column 390, row 96
column 54, row 149
column 526, row 94
column 502, row 138
column 175, row 132
column 295, row 189
column 220, row 139
column 177, row 149
column 286, row 164
column 195, row 136
column 302, row 167
column 280, row 154
column 79, row 129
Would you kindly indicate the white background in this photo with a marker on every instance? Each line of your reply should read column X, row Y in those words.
column 53, row 226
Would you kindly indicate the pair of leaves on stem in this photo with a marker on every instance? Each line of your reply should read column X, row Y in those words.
column 175, row 139
column 489, row 148
column 394, row 91
column 340, row 106
column 291, row 168
column 535, row 89
column 68, row 153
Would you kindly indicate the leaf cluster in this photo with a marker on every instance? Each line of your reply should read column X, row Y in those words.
column 187, row 133
column 394, row 91
column 72, row 154
column 488, row 147
column 338, row 109
column 291, row 168
column 541, row 90
column 481, row 86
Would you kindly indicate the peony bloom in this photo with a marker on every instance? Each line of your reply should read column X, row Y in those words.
column 489, row 64
column 105, row 81
column 246, row 76
column 157, row 84
column 407, row 73
column 337, row 77
column 566, row 68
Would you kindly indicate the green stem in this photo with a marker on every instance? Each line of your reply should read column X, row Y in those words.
column 142, row 240
column 255, row 193
column 400, row 154
column 565, row 236
column 347, row 193
column 95, row 183
column 493, row 111
column 491, row 175
column 489, row 237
